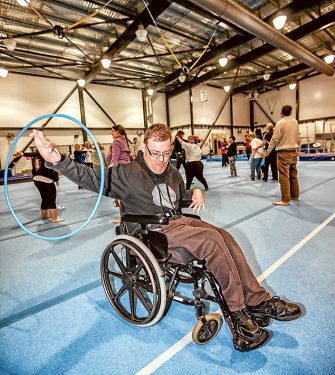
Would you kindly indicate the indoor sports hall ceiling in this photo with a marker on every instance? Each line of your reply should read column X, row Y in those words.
column 68, row 38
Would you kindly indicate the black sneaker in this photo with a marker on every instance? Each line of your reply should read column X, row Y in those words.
column 276, row 308
column 248, row 336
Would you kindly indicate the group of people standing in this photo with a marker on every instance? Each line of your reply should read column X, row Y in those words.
column 277, row 149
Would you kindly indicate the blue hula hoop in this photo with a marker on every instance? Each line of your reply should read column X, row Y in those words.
column 102, row 176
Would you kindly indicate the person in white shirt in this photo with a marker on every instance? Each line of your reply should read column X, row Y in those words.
column 135, row 147
column 195, row 167
column 89, row 154
column 257, row 156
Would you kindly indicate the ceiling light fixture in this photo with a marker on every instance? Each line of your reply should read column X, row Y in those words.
column 329, row 58
column 141, row 33
column 24, row 3
column 182, row 77
column 279, row 21
column 292, row 85
column 266, row 76
column 150, row 91
column 81, row 82
column 223, row 61
column 3, row 72
column 226, row 88
column 10, row 44
column 106, row 62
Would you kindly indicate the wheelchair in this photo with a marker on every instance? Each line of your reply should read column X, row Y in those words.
column 140, row 279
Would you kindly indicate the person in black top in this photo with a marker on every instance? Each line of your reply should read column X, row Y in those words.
column 45, row 180
column 271, row 159
column 178, row 152
column 232, row 155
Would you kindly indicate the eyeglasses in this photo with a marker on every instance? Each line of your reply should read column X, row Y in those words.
column 157, row 154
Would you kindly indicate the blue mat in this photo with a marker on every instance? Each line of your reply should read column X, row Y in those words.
column 308, row 157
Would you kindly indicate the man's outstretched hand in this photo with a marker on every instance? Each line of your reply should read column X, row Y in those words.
column 198, row 201
column 47, row 149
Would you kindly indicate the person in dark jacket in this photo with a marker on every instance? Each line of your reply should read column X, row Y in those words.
column 232, row 155
column 271, row 159
column 45, row 180
column 178, row 152
column 151, row 185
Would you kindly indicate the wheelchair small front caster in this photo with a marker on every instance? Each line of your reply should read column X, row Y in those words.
column 207, row 327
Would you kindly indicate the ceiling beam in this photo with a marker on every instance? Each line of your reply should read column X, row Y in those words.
column 243, row 37
column 251, row 23
column 156, row 7
column 315, row 25
column 274, row 77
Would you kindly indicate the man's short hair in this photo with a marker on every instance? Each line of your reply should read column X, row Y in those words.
column 158, row 132
column 286, row 110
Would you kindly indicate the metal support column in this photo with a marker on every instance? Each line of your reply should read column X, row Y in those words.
column 297, row 114
column 145, row 114
column 252, row 115
column 167, row 110
column 191, row 108
column 231, row 109
column 82, row 111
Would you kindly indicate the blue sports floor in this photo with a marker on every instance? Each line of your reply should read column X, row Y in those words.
column 55, row 319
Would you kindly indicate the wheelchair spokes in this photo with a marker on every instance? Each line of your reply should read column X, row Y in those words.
column 131, row 286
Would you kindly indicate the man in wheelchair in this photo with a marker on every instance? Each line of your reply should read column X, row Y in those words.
column 150, row 185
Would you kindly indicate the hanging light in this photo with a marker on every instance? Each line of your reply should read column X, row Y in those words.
column 266, row 76
column 279, row 21
column 10, row 44
column 141, row 33
column 3, row 72
column 150, row 91
column 81, row 82
column 24, row 3
column 182, row 77
column 106, row 62
column 292, row 85
column 223, row 61
column 329, row 58
column 226, row 88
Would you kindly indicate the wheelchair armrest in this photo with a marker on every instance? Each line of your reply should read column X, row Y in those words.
column 144, row 219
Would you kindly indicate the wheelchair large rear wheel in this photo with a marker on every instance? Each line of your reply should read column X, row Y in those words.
column 133, row 281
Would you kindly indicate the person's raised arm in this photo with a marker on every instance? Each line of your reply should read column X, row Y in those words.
column 47, row 150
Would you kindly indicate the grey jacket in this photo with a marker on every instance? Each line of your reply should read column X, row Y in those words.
column 140, row 190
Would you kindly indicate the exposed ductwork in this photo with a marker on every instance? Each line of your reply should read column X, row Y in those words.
column 246, row 20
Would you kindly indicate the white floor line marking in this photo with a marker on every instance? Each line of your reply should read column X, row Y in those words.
column 174, row 349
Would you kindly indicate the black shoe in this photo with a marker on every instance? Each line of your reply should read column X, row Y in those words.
column 248, row 336
column 276, row 308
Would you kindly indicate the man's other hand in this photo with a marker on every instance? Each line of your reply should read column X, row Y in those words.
column 198, row 201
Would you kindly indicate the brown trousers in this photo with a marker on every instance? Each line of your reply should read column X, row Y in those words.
column 288, row 175
column 223, row 256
